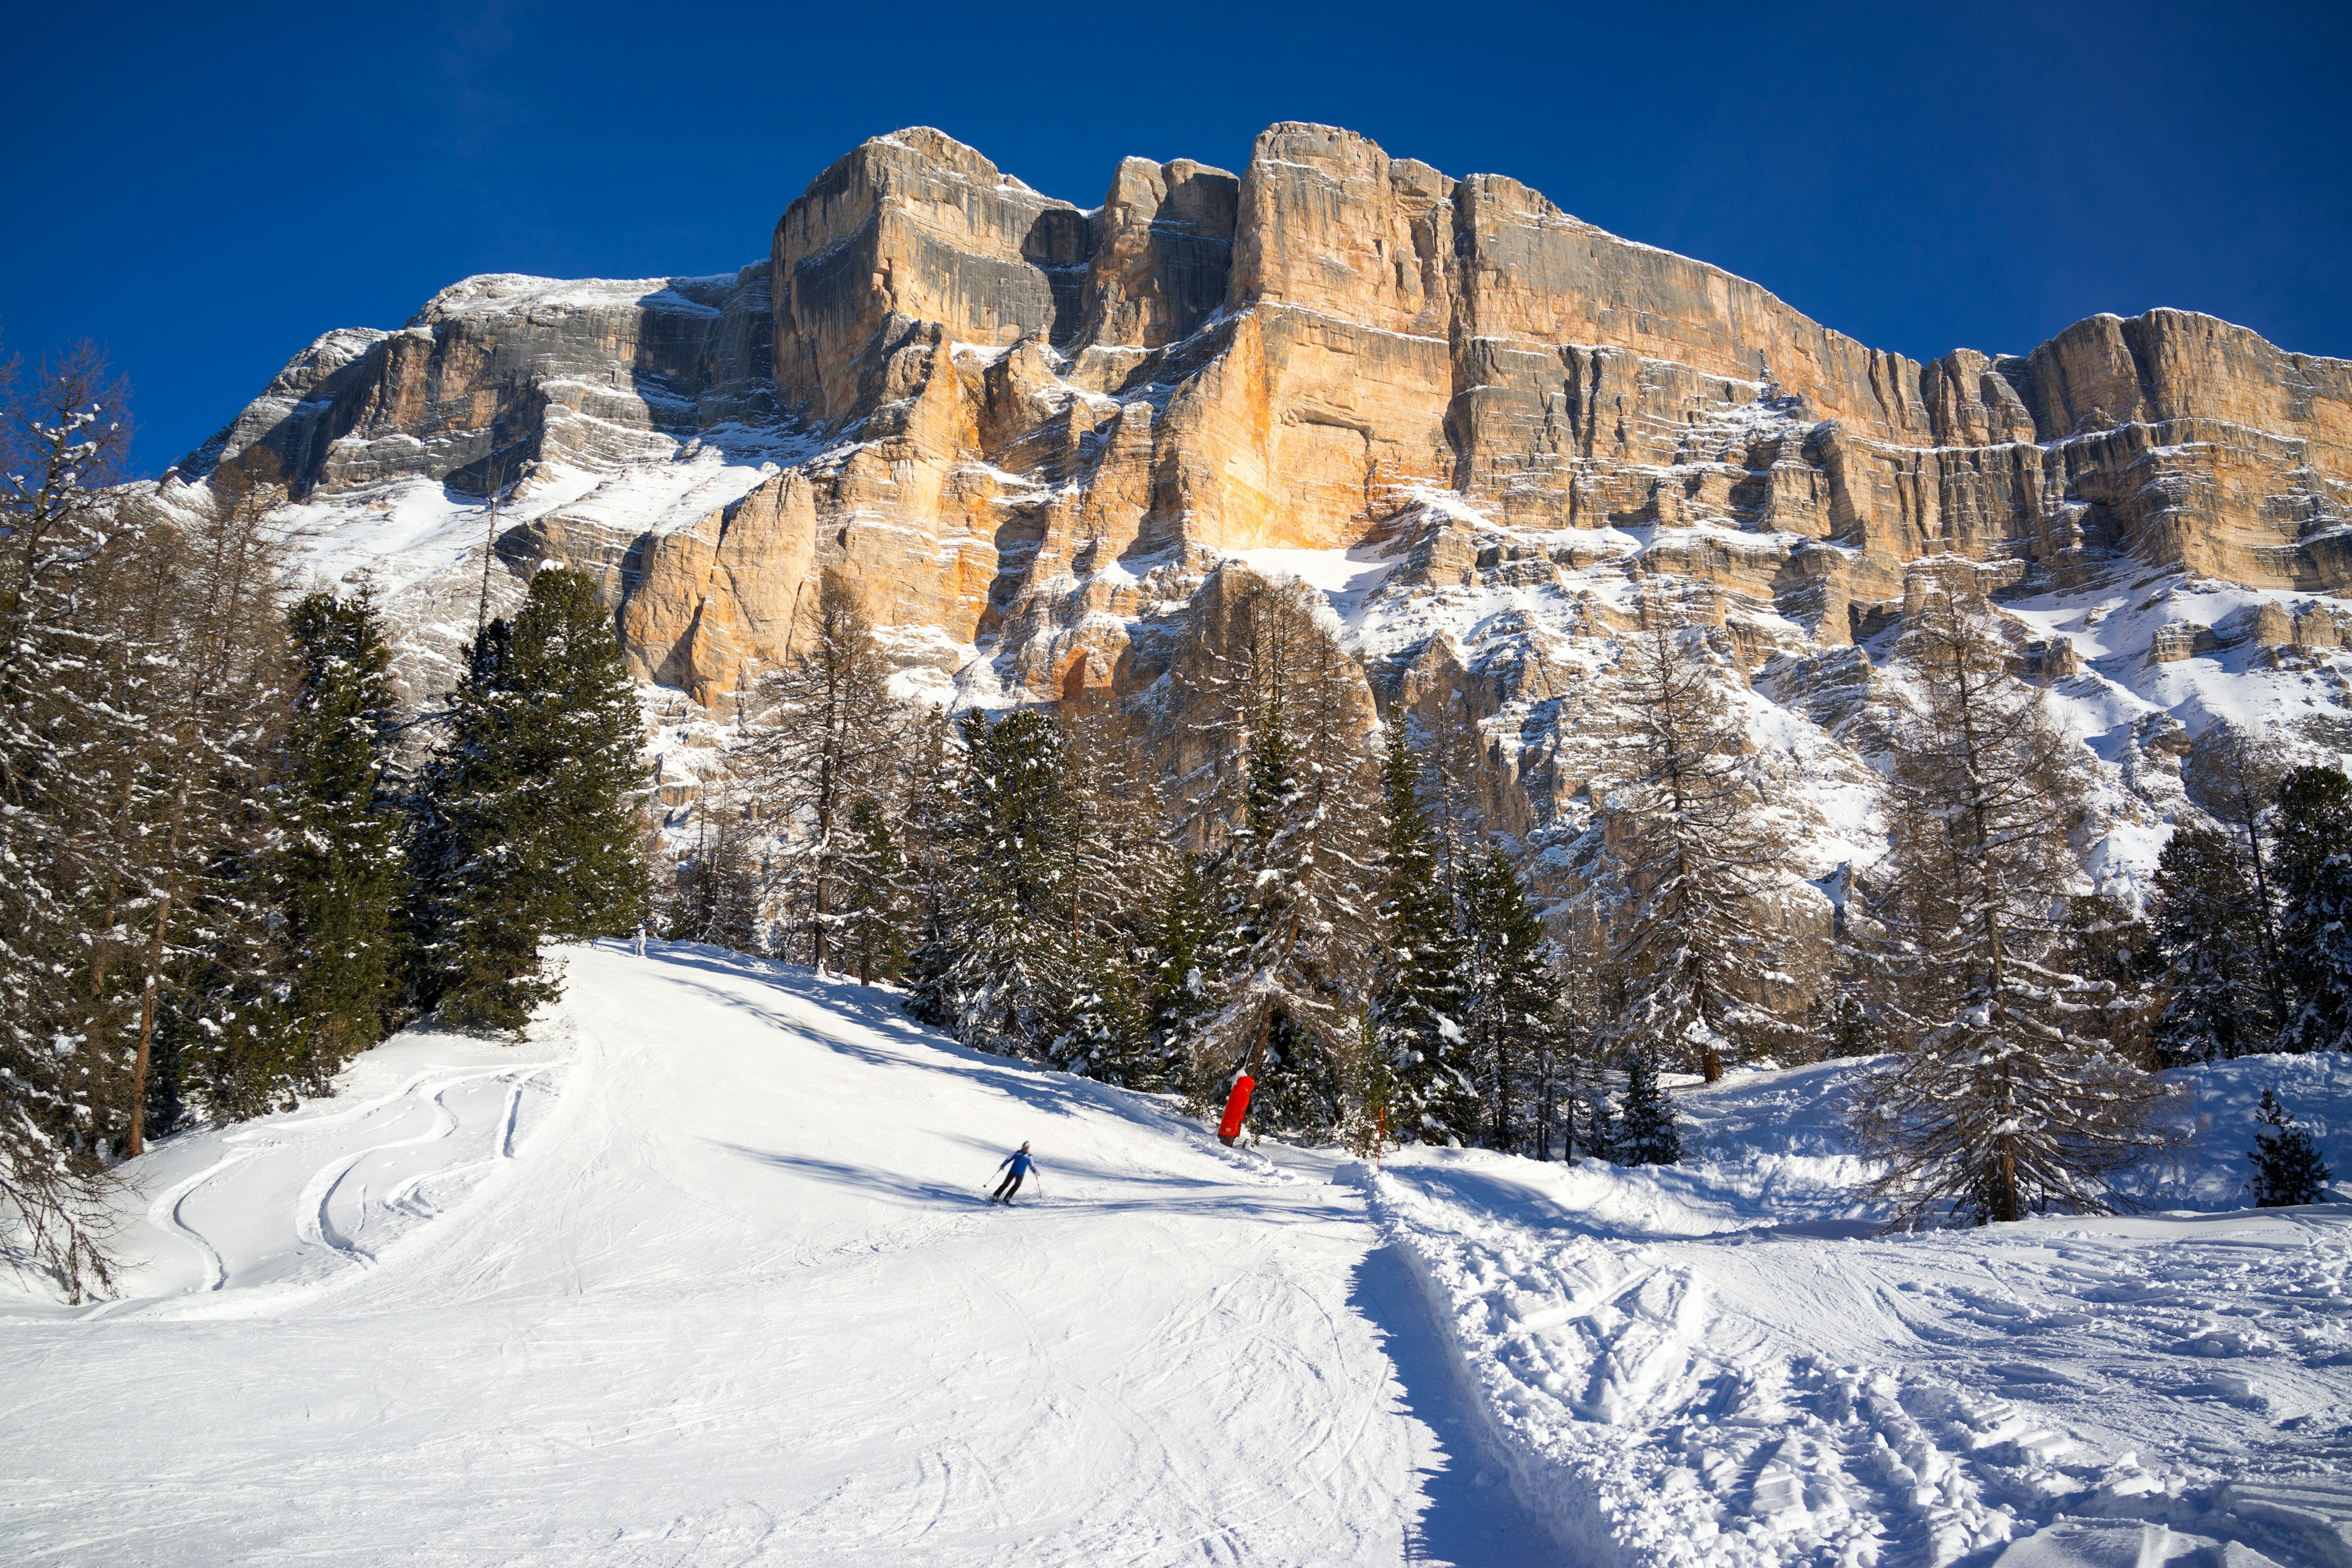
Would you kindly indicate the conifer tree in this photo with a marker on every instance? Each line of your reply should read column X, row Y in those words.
column 1450, row 779
column 873, row 895
column 1646, row 1132
column 2209, row 931
column 1302, row 1077
column 1122, row 858
column 2314, row 861
column 1514, row 997
column 1696, row 854
column 65, row 740
column 1418, row 1004
column 140, row 694
column 1108, row 1034
column 1599, row 1122
column 1121, row 867
column 2288, row 1171
column 1183, row 933
column 1368, row 1089
column 718, row 898
column 930, row 781
column 997, row 972
column 1289, row 962
column 1571, row 1084
column 527, row 818
column 211, row 1022
column 341, row 874
column 2103, row 939
column 828, row 729
column 1853, row 1032
column 2006, row 1101
column 2235, row 774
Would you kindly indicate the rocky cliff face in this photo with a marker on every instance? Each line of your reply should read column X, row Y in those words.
column 1033, row 431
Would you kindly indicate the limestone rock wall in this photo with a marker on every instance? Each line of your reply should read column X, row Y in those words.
column 522, row 371
column 1032, row 429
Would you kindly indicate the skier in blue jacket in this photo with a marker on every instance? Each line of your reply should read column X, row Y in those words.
column 1019, row 1163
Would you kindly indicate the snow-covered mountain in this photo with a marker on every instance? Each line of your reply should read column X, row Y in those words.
column 1499, row 435
column 704, row 1275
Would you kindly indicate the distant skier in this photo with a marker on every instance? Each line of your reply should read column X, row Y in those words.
column 1016, row 1165
column 639, row 946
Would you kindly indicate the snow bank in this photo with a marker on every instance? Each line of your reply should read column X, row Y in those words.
column 1723, row 1364
column 2217, row 1119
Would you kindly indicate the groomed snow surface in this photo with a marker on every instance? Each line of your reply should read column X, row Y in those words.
column 703, row 1274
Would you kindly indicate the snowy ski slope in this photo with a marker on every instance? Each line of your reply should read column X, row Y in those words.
column 703, row 1275
column 712, row 1282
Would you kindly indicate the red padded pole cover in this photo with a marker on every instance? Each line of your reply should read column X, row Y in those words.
column 1236, row 1106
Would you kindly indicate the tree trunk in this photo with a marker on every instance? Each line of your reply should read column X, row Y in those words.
column 2268, row 916
column 136, row 1144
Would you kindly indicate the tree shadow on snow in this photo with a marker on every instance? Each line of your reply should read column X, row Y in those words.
column 902, row 1043
column 1138, row 1191
column 1045, row 1089
column 1472, row 1518
column 909, row 1191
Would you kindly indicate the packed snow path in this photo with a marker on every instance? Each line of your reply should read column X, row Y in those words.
column 704, row 1275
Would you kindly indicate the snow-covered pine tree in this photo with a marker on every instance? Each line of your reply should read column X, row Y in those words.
column 827, row 731
column 1290, row 962
column 2209, row 931
column 1368, row 1089
column 211, row 1020
column 526, row 821
column 1647, row 1132
column 1122, row 864
column 339, row 868
column 69, row 747
column 1572, row 1079
column 871, row 942
column 718, row 898
column 1852, row 1031
column 1695, row 848
column 2003, row 1101
column 2105, row 940
column 1418, row 1005
column 1514, row 1005
column 1598, row 1121
column 2234, row 774
column 997, row 972
column 930, row 784
column 1183, row 934
column 2314, row 862
column 473, row 880
column 591, row 792
column 1106, row 1034
column 1450, row 745
column 2288, row 1171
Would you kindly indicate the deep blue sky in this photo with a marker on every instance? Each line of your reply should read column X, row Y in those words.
column 203, row 192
